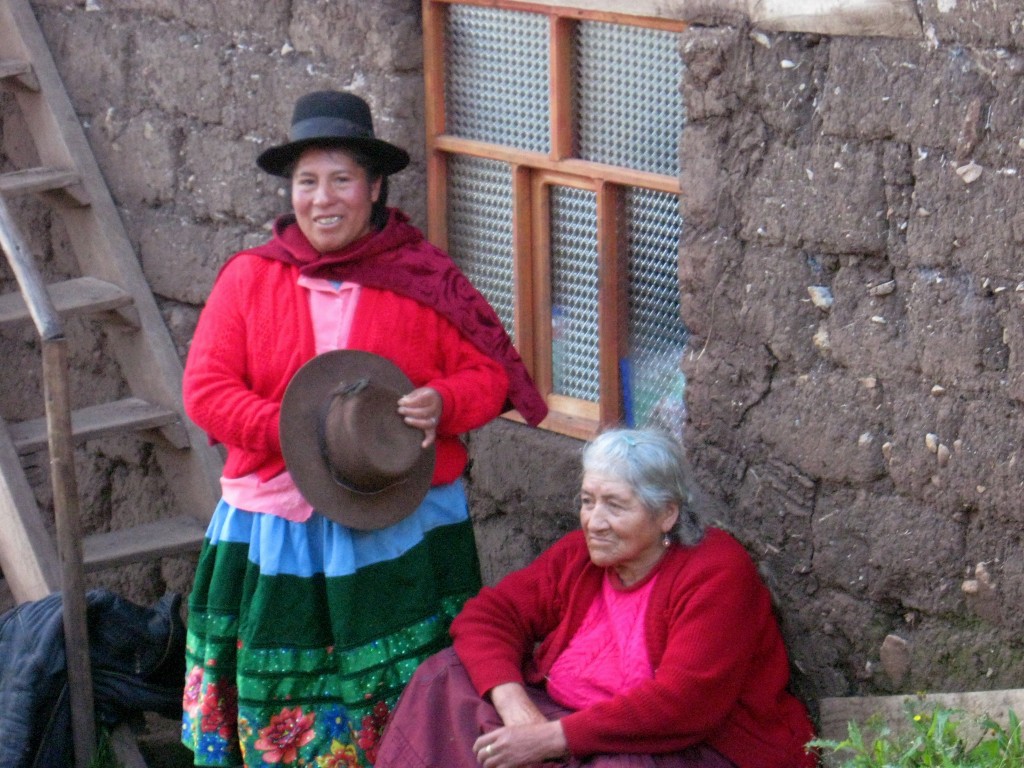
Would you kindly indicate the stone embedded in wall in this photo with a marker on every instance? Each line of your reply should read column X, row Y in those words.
column 983, row 437
column 895, row 657
column 1001, row 556
column 982, row 595
column 787, row 88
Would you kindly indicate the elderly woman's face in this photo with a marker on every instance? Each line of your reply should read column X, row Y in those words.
column 332, row 197
column 621, row 533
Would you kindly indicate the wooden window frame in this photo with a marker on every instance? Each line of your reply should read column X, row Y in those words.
column 533, row 173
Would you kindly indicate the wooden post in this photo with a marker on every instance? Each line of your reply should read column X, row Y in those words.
column 65, row 488
column 69, row 546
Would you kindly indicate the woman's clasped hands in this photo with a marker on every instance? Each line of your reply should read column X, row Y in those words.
column 526, row 736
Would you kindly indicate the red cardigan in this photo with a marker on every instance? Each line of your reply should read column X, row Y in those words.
column 721, row 669
column 255, row 332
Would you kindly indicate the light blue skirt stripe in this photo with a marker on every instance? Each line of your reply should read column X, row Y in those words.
column 282, row 547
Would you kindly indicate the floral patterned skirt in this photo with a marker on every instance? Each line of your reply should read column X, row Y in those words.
column 302, row 635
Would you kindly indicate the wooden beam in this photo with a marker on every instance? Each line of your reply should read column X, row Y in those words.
column 584, row 168
column 18, row 73
column 872, row 18
column 650, row 13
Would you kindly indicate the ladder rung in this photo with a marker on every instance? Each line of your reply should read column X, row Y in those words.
column 169, row 536
column 95, row 421
column 81, row 295
column 19, row 73
column 40, row 180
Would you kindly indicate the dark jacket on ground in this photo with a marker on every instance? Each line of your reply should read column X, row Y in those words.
column 138, row 664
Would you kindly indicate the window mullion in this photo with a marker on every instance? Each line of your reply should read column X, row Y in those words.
column 540, row 239
column 525, row 269
column 561, row 87
column 434, row 15
column 613, row 301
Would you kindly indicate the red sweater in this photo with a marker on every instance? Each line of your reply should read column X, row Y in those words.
column 255, row 332
column 720, row 667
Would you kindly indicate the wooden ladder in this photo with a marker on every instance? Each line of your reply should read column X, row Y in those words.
column 111, row 289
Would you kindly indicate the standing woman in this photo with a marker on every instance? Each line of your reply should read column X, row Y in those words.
column 302, row 629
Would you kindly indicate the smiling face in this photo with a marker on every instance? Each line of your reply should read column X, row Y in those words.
column 621, row 533
column 333, row 198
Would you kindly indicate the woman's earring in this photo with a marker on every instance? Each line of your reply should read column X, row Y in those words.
column 666, row 542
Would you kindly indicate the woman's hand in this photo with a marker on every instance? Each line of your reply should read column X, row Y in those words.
column 514, row 746
column 526, row 737
column 421, row 409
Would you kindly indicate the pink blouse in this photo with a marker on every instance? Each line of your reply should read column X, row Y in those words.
column 608, row 655
column 331, row 306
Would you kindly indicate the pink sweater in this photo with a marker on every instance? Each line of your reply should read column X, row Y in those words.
column 720, row 667
column 255, row 332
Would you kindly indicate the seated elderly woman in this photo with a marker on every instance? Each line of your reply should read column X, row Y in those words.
column 643, row 639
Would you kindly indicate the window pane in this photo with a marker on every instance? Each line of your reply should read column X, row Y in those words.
column 656, row 332
column 480, row 229
column 574, row 292
column 497, row 77
column 627, row 96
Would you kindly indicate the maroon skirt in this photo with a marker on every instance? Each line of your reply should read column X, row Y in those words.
column 440, row 715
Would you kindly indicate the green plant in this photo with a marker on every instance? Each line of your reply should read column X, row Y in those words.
column 937, row 738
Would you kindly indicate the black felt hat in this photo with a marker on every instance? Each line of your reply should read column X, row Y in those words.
column 332, row 119
column 349, row 451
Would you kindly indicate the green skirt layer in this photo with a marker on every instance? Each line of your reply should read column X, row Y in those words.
column 305, row 670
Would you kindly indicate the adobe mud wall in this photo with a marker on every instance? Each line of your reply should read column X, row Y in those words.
column 851, row 273
column 861, row 437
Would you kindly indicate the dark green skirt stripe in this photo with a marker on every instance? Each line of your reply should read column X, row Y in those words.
column 290, row 670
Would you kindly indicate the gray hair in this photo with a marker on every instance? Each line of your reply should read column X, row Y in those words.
column 655, row 468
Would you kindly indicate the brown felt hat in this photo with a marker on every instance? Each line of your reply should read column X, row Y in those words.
column 348, row 450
